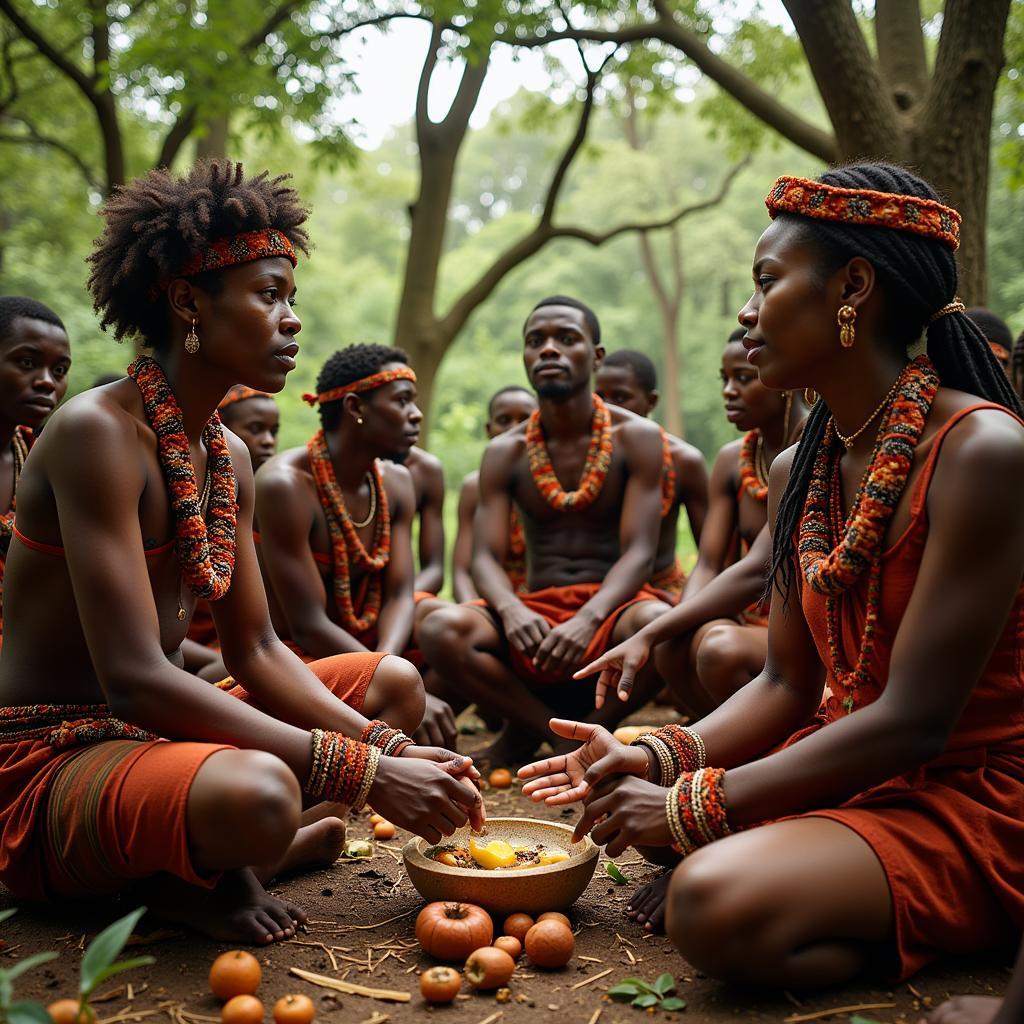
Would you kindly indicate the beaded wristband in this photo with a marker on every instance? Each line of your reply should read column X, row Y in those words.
column 695, row 809
column 390, row 742
column 663, row 757
column 676, row 750
column 342, row 770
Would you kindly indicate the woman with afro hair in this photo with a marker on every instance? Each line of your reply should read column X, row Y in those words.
column 884, row 826
column 118, row 769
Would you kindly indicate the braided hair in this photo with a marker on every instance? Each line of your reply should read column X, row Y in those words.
column 156, row 222
column 918, row 277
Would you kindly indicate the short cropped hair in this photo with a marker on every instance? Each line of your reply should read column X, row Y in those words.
column 641, row 365
column 589, row 316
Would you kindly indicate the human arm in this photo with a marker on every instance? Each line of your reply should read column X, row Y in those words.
column 430, row 578
column 523, row 628
column 394, row 627
column 693, row 486
column 462, row 552
column 562, row 649
column 726, row 596
column 719, row 530
column 287, row 507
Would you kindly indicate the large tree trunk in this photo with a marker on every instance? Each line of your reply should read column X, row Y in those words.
column 212, row 144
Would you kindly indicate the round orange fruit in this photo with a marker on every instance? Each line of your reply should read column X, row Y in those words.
column 235, row 973
column 242, row 1010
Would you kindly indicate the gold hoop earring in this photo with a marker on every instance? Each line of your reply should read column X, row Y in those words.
column 847, row 320
column 810, row 396
column 192, row 340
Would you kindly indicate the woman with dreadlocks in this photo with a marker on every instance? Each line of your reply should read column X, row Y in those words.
column 890, row 830
column 118, row 769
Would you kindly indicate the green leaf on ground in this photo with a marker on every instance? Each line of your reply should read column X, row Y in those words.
column 665, row 984
column 4, row 914
column 673, row 1003
column 18, row 969
column 27, row 1013
column 645, row 1000
column 615, row 873
column 101, row 953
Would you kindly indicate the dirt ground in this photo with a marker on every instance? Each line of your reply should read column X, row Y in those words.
column 362, row 914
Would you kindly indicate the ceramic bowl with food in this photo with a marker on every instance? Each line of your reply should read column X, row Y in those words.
column 530, row 885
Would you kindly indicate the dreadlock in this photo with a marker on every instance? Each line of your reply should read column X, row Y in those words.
column 348, row 365
column 918, row 276
column 156, row 222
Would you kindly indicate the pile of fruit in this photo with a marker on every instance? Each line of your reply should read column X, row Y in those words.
column 235, row 976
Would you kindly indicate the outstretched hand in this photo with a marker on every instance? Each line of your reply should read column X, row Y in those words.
column 566, row 778
column 618, row 668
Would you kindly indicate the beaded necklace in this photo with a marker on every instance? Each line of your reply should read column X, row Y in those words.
column 835, row 550
column 668, row 475
column 595, row 468
column 753, row 479
column 204, row 544
column 345, row 542
column 20, row 444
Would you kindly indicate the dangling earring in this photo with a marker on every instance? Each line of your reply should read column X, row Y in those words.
column 810, row 396
column 192, row 340
column 785, row 420
column 847, row 319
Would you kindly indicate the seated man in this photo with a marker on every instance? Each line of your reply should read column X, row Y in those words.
column 35, row 357
column 586, row 483
column 428, row 487
column 628, row 379
column 335, row 516
column 507, row 408
column 119, row 770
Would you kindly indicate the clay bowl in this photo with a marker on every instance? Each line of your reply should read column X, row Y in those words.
column 530, row 890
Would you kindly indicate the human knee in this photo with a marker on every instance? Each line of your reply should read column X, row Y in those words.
column 397, row 693
column 444, row 632
column 716, row 656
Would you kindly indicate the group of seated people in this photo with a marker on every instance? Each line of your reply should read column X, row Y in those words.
column 247, row 649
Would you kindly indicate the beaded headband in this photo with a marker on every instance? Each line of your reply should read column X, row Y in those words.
column 865, row 206
column 243, row 248
column 239, row 393
column 375, row 380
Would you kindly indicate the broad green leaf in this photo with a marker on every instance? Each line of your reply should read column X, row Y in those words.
column 4, row 914
column 664, row 984
column 624, row 991
column 28, row 1012
column 673, row 1003
column 18, row 969
column 645, row 1000
column 615, row 874
column 123, row 965
column 104, row 950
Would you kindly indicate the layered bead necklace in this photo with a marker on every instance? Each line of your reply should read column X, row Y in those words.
column 860, row 536
column 204, row 539
column 753, row 468
column 595, row 468
column 346, row 547
column 20, row 444
column 668, row 475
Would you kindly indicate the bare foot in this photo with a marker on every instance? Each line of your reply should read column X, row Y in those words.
column 316, row 845
column 239, row 909
column 965, row 1010
column 647, row 907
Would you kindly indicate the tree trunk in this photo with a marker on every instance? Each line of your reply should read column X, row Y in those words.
column 212, row 144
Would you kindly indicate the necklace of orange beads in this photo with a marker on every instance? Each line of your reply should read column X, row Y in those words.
column 668, row 475
column 346, row 547
column 595, row 468
column 20, row 444
column 858, row 541
column 753, row 473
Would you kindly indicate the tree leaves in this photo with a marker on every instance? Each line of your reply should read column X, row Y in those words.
column 642, row 995
column 98, row 962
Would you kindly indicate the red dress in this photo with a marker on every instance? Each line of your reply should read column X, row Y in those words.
column 950, row 834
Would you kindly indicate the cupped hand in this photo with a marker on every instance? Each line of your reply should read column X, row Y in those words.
column 524, row 630
column 566, row 778
column 561, row 651
column 432, row 791
column 618, row 668
column 438, row 726
column 625, row 811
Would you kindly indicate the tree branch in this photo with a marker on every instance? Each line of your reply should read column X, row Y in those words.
column 901, row 56
column 423, row 122
column 380, row 19
column 37, row 138
column 48, row 50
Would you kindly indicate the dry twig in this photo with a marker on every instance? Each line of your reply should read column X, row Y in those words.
column 821, row 1014
column 591, row 979
column 349, row 988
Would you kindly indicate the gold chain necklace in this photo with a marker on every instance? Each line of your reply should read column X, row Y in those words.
column 373, row 504
column 848, row 439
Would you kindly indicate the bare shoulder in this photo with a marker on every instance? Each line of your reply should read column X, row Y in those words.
column 423, row 463
column 285, row 473
column 505, row 449
column 398, row 484
column 469, row 489
column 240, row 458
column 91, row 425
column 727, row 460
column 983, row 451
column 687, row 457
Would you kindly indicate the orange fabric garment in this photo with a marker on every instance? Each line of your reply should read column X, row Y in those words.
column 668, row 583
column 558, row 605
column 950, row 834
column 90, row 819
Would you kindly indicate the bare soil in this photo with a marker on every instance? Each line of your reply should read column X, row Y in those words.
column 362, row 914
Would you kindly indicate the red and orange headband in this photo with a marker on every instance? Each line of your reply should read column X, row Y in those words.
column 866, row 207
column 239, row 393
column 229, row 252
column 375, row 380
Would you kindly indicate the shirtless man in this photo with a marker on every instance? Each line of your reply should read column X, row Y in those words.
column 135, row 502
column 336, row 517
column 586, row 482
column 628, row 379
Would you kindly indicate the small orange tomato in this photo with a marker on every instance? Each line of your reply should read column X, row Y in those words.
column 235, row 973
column 550, row 944
column 500, row 778
column 489, row 968
column 384, row 830
column 553, row 915
column 294, row 1009
column 65, row 1011
column 242, row 1010
column 375, row 818
column 510, row 944
column 517, row 925
column 440, row 984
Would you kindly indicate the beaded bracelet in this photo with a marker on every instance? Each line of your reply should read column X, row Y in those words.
column 676, row 749
column 390, row 742
column 342, row 769
column 695, row 809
